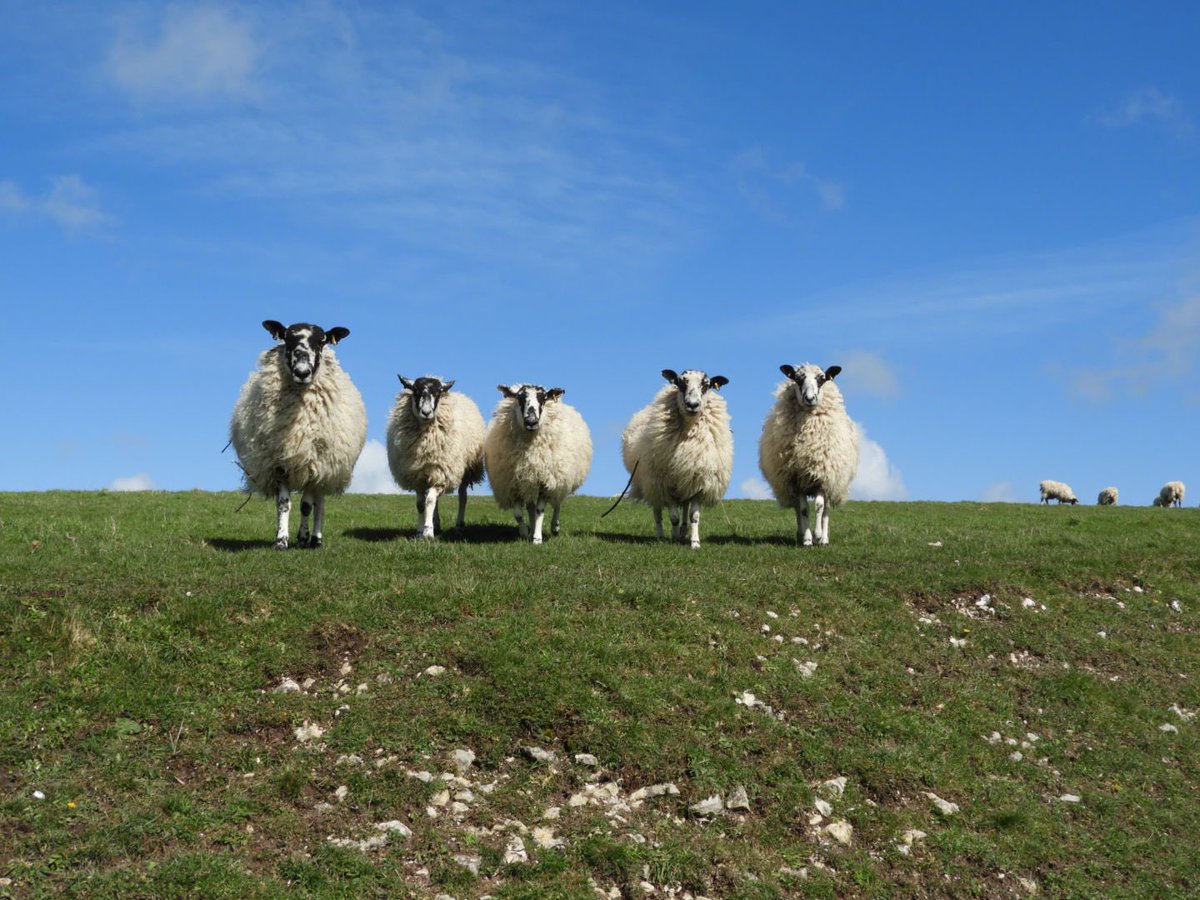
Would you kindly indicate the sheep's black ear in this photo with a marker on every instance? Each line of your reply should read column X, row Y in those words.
column 275, row 328
column 507, row 391
column 832, row 372
column 555, row 393
column 333, row 335
column 670, row 375
column 404, row 381
column 789, row 371
column 447, row 386
column 718, row 382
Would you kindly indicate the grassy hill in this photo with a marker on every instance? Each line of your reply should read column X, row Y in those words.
column 144, row 638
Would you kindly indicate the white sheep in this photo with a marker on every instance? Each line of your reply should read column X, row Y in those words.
column 1108, row 497
column 299, row 425
column 809, row 448
column 678, row 450
column 1056, row 490
column 1171, row 494
column 537, row 451
column 434, row 445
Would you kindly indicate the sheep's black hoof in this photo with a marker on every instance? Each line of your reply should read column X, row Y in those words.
column 314, row 543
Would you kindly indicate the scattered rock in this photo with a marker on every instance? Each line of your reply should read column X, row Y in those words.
column 544, row 838
column 346, row 668
column 1028, row 885
column 1168, row 728
column 349, row 759
column 823, row 807
column 287, row 686
column 341, row 793
column 309, row 731
column 710, row 806
column 441, row 798
column 515, row 851
column 586, row 759
column 434, row 671
column 470, row 863
column 958, row 643
column 654, row 790
column 912, row 836
column 806, row 669
column 738, row 801
column 994, row 738
column 841, row 831
column 537, row 754
column 944, row 807
column 1186, row 714
column 425, row 777
column 935, row 543
column 552, row 812
column 395, row 826
column 463, row 760
column 1069, row 798
column 834, row 787
column 38, row 795
column 1175, row 606
column 1016, row 756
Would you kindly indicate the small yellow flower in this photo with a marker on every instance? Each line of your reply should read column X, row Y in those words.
column 70, row 804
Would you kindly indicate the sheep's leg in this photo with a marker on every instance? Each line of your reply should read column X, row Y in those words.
column 430, row 504
column 306, row 506
column 694, row 520
column 283, row 509
column 803, row 533
column 461, row 522
column 555, row 521
column 518, row 513
column 658, row 532
column 821, row 519
column 537, row 512
column 676, row 526
column 316, row 542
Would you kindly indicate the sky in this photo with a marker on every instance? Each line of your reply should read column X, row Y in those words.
column 988, row 214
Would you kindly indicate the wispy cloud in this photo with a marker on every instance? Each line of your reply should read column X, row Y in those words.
column 775, row 189
column 877, row 478
column 191, row 53
column 371, row 472
column 1000, row 492
column 866, row 373
column 1149, row 105
column 69, row 202
column 139, row 482
column 755, row 489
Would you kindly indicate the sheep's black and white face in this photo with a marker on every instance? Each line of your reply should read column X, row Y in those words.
column 303, row 345
column 531, row 401
column 807, row 382
column 425, row 394
column 693, row 387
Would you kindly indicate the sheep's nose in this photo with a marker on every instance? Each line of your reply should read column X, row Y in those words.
column 692, row 407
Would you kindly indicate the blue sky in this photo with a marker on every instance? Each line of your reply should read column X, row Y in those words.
column 987, row 213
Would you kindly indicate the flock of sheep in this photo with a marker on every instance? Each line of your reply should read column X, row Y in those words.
column 1171, row 494
column 299, row 425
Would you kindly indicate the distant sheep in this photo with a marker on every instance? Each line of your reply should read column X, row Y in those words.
column 1171, row 494
column 537, row 451
column 1056, row 490
column 434, row 445
column 679, row 450
column 809, row 448
column 1108, row 497
column 299, row 425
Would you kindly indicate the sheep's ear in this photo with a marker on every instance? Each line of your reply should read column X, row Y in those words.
column 555, row 393
column 670, row 375
column 333, row 335
column 789, row 371
column 275, row 328
column 404, row 381
column 446, row 387
column 832, row 372
column 507, row 391
column 718, row 382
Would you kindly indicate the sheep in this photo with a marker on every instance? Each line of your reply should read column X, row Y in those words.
column 299, row 424
column 1056, row 490
column 678, row 450
column 1171, row 494
column 1108, row 497
column 537, row 451
column 434, row 445
column 809, row 448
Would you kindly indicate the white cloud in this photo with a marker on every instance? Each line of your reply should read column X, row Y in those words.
column 70, row 202
column 1000, row 492
column 371, row 472
column 771, row 188
column 864, row 372
column 139, row 482
column 1148, row 104
column 876, row 479
column 756, row 489
column 193, row 53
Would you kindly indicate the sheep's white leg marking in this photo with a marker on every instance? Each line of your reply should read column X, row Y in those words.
column 820, row 519
column 676, row 526
column 537, row 512
column 658, row 532
column 316, row 542
column 802, row 530
column 283, row 509
column 555, row 524
column 431, row 499
column 306, row 508
column 461, row 522
column 694, row 519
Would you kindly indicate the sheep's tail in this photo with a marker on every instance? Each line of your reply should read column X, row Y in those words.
column 624, row 492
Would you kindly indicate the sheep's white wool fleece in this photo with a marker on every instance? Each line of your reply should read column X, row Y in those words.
column 305, row 436
column 443, row 453
column 1170, row 492
column 679, row 458
column 803, row 452
column 1056, row 490
column 550, row 463
column 1108, row 496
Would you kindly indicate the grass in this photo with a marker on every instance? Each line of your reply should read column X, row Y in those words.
column 142, row 635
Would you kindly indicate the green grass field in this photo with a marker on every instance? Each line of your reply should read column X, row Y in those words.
column 145, row 750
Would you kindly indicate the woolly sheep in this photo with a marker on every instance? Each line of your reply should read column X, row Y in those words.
column 679, row 450
column 1056, row 490
column 809, row 448
column 1108, row 497
column 537, row 451
column 1171, row 494
column 299, row 425
column 434, row 445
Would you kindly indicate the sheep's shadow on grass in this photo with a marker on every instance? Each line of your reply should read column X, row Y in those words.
column 773, row 540
column 377, row 535
column 237, row 545
column 619, row 537
column 471, row 534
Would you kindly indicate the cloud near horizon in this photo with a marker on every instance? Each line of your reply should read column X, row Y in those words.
column 371, row 472
column 70, row 203
column 877, row 478
column 139, row 482
column 1148, row 104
